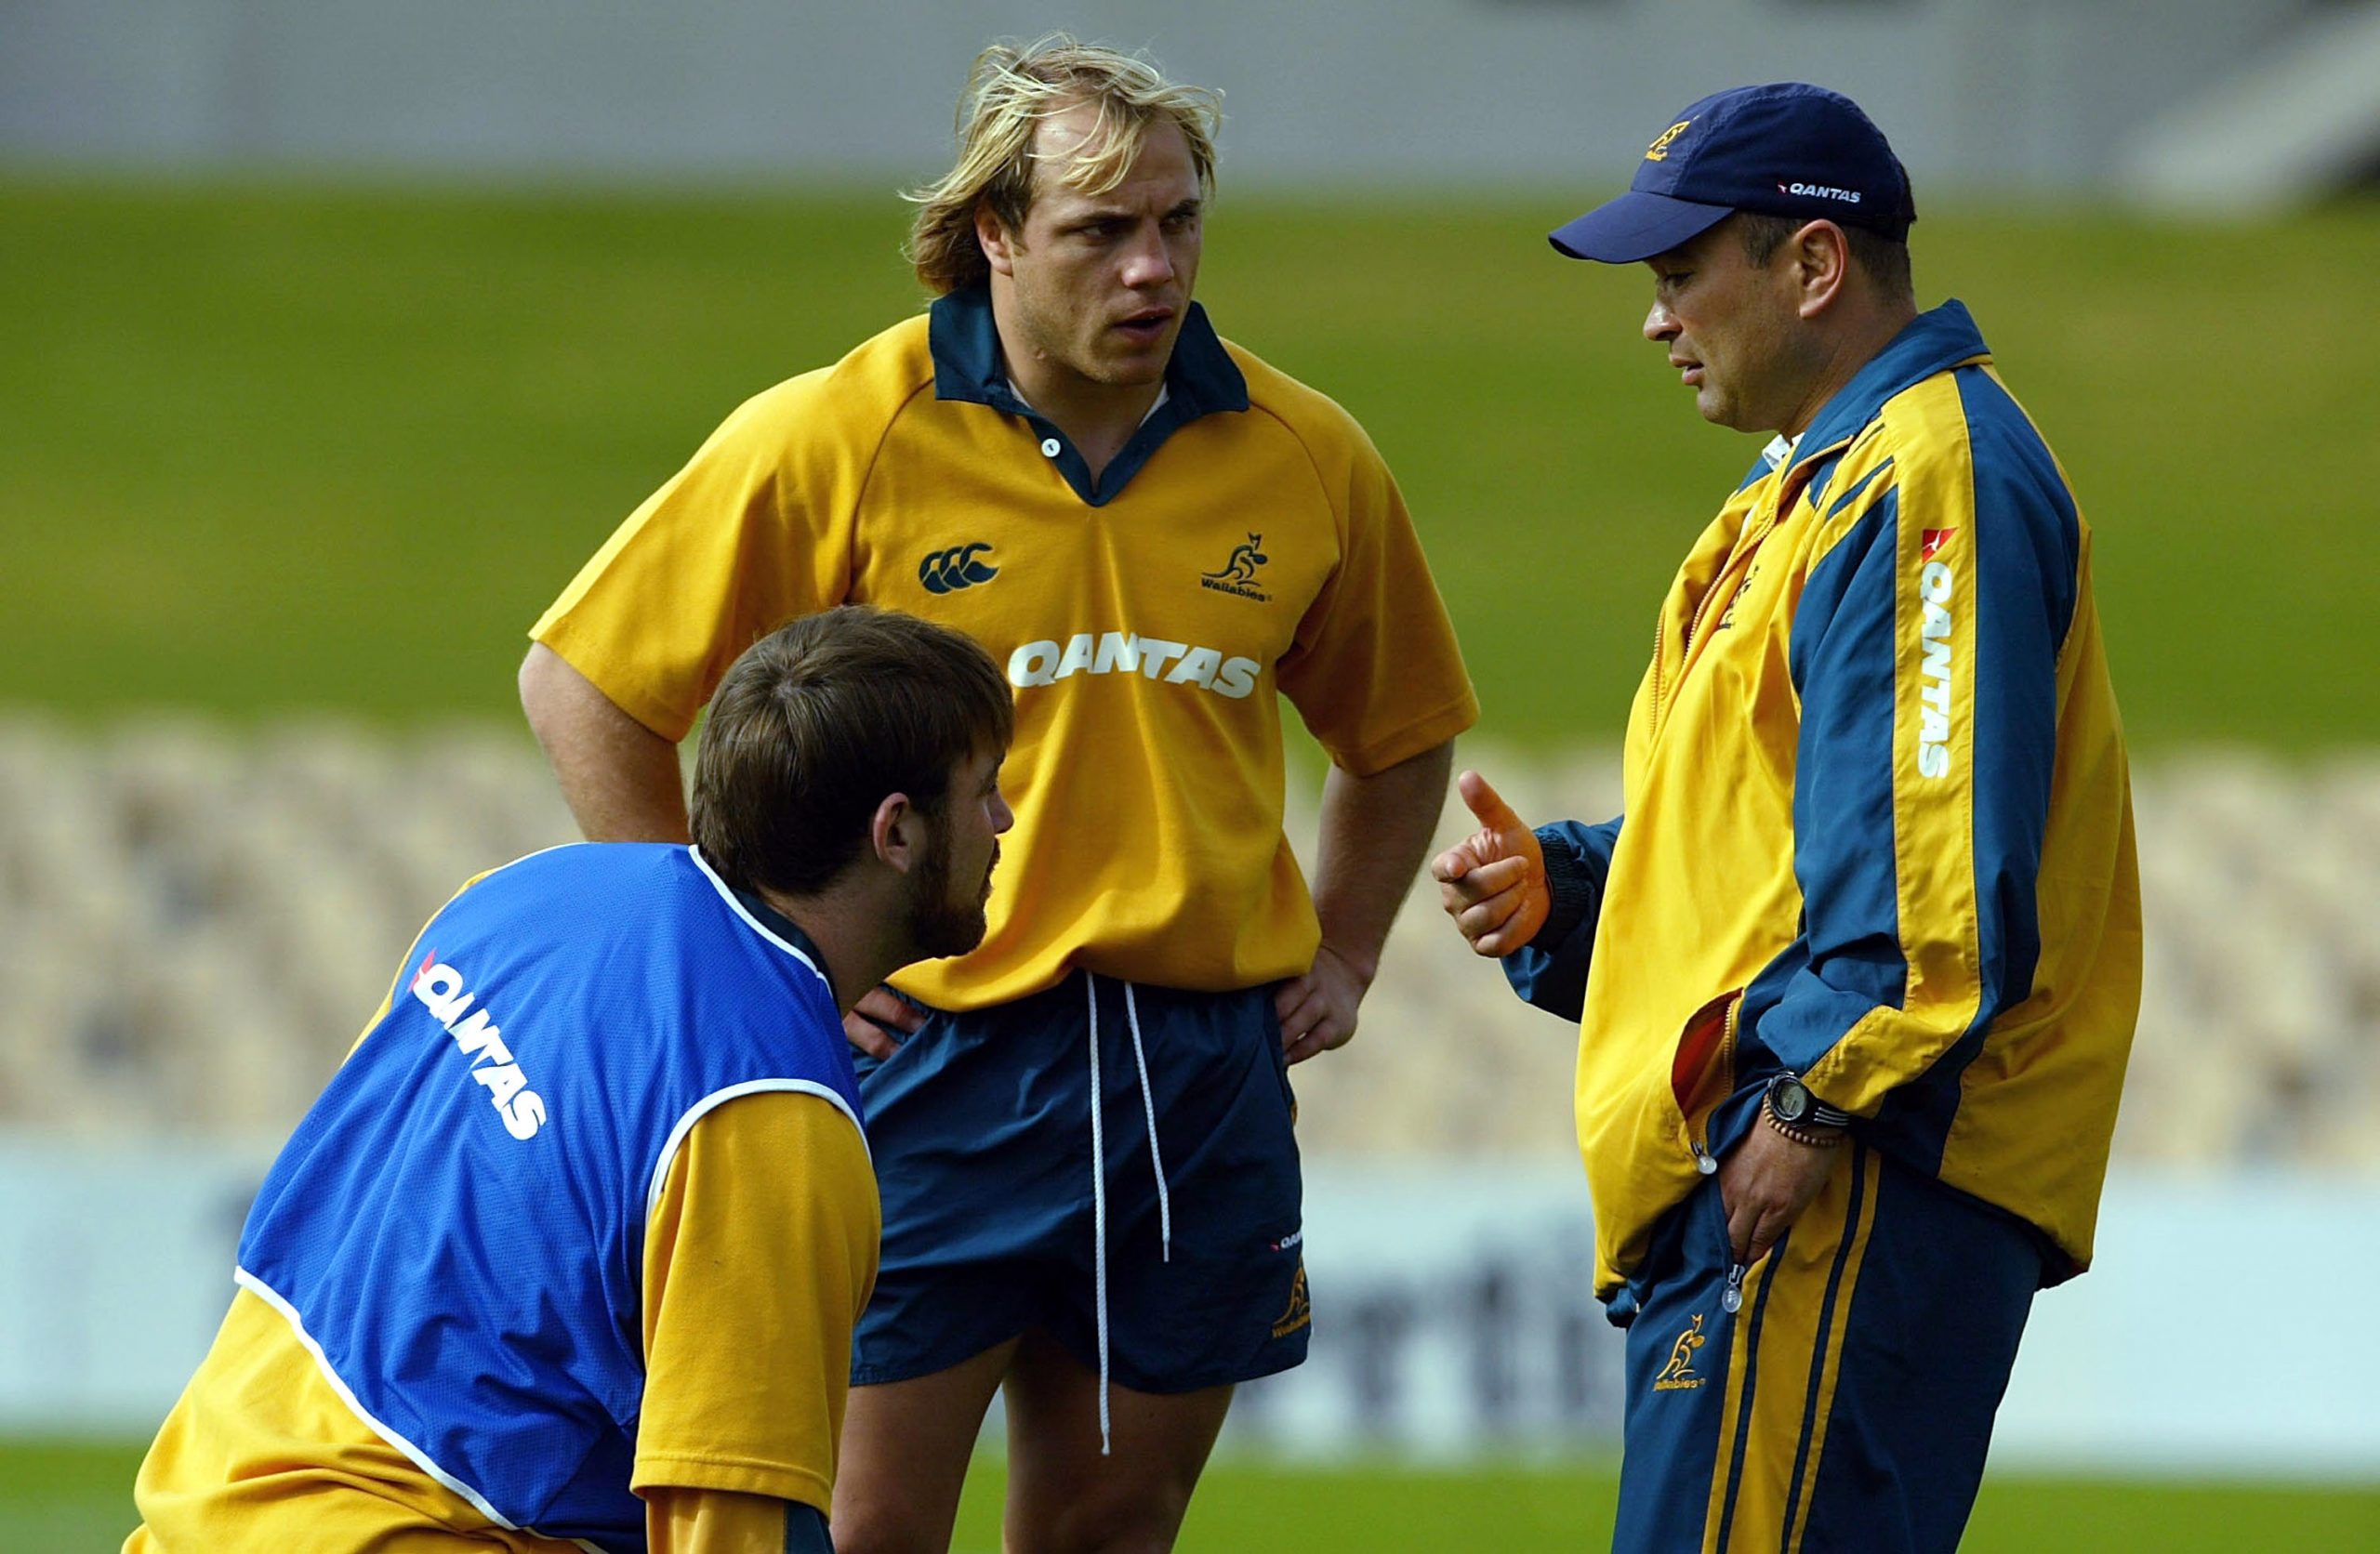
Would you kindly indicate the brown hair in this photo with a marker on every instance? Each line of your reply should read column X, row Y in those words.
column 818, row 721
column 1010, row 91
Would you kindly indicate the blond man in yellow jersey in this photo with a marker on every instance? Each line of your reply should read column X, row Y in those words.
column 1083, row 1128
column 569, row 1252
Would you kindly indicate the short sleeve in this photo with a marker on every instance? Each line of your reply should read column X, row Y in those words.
column 758, row 1259
column 1376, row 672
column 753, row 532
column 719, row 1521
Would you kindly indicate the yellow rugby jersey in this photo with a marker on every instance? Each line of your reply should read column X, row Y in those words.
column 1248, row 542
column 1879, row 821
column 262, row 1452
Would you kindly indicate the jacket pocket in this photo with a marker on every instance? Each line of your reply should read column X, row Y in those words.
column 1702, row 1071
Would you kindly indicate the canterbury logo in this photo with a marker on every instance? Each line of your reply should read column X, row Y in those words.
column 1679, row 1375
column 1660, row 149
column 945, row 572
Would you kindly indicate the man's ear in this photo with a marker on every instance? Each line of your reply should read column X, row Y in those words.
column 998, row 244
column 897, row 832
column 1821, row 258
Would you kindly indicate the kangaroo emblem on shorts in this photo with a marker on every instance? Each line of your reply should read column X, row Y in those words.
column 1678, row 1375
column 1299, row 1311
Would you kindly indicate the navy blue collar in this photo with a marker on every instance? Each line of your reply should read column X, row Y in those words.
column 1932, row 342
column 1200, row 379
column 785, row 928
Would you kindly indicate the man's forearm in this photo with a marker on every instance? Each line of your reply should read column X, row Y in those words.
column 1374, row 831
column 619, row 778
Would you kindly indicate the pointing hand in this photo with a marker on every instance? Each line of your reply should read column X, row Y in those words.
column 1492, row 882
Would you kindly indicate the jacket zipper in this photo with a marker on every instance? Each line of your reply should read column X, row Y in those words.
column 1660, row 711
column 1743, row 557
column 1731, row 1299
column 1705, row 1162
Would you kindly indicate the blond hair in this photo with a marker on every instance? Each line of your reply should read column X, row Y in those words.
column 1010, row 92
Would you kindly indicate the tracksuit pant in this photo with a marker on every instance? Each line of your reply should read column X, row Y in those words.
column 1846, row 1403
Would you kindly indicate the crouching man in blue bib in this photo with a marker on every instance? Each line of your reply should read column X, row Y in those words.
column 569, row 1251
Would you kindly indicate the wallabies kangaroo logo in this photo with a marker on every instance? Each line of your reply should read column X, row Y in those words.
column 1239, row 575
column 1679, row 1376
column 1299, row 1310
column 1245, row 559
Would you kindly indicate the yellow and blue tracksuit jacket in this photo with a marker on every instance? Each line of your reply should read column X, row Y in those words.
column 1878, row 825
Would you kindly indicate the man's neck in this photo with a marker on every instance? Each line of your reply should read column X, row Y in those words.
column 1098, row 418
column 850, row 936
column 1853, row 349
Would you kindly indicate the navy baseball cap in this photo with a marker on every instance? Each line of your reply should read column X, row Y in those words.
column 1787, row 149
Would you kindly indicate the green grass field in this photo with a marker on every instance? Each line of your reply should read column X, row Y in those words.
column 58, row 1499
column 283, row 448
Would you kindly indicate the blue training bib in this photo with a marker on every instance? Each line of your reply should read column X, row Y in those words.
column 456, row 1229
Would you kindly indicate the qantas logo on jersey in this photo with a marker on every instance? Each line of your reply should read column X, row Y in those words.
column 945, row 572
column 1934, row 589
column 1933, row 540
column 438, row 987
column 1122, row 652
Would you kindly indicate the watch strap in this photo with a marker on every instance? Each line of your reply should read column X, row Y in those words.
column 1817, row 1138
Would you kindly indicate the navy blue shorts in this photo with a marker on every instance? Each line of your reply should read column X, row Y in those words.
column 1847, row 1403
column 982, row 1131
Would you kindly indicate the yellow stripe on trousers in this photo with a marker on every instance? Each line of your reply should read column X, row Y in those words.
column 1783, row 1365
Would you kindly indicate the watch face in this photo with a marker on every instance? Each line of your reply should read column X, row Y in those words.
column 1790, row 1099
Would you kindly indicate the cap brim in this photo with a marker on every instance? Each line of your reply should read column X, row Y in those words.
column 1636, row 226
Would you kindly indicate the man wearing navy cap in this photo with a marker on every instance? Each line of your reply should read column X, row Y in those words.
column 1857, row 977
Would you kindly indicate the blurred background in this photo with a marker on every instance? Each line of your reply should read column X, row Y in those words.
column 337, row 335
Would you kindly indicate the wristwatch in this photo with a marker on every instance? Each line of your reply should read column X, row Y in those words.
column 1793, row 1111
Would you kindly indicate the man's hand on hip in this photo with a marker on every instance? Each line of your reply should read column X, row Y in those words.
column 1492, row 883
column 880, row 1013
column 1317, row 1011
column 1765, row 1183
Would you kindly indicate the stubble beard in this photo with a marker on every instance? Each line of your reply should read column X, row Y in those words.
column 940, row 925
column 1057, row 334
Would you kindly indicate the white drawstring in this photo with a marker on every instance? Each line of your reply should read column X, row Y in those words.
column 1098, row 1209
column 1148, row 1106
column 1098, row 1177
